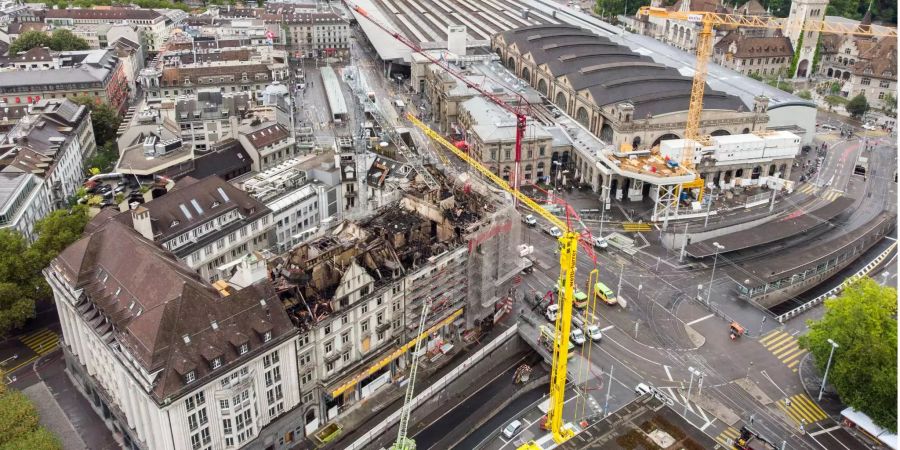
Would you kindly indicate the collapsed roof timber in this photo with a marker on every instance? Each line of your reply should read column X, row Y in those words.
column 397, row 239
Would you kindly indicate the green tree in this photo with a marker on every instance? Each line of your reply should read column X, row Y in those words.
column 29, row 40
column 65, row 40
column 835, row 88
column 104, row 118
column 805, row 95
column 864, row 368
column 816, row 56
column 756, row 76
column 56, row 231
column 890, row 103
column 796, row 59
column 19, row 426
column 858, row 106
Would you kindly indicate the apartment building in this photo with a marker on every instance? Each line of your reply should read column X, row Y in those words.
column 208, row 224
column 154, row 26
column 49, row 143
column 244, row 69
column 308, row 33
column 861, row 65
column 303, row 194
column 357, row 293
column 492, row 138
column 765, row 56
column 164, row 358
column 206, row 117
column 94, row 73
column 268, row 143
column 23, row 201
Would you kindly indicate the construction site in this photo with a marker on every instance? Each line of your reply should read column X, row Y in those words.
column 452, row 248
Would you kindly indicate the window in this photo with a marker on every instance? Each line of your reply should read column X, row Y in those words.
column 190, row 404
column 192, row 422
column 345, row 338
column 267, row 336
column 306, row 378
column 329, row 346
column 244, row 348
column 364, row 326
column 345, row 320
column 380, row 335
column 229, row 442
column 884, row 84
column 364, row 291
column 327, row 329
column 305, row 359
column 346, row 356
column 866, row 81
column 202, row 416
column 881, row 95
column 216, row 363
column 379, row 319
column 329, row 367
column 195, row 442
column 189, row 377
column 223, row 404
column 365, row 308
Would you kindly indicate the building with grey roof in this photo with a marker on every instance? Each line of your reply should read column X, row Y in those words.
column 49, row 143
column 491, row 136
column 95, row 73
column 23, row 201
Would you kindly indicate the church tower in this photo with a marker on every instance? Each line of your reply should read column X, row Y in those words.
column 804, row 42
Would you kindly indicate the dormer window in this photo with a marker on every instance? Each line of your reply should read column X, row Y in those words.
column 174, row 223
column 189, row 377
column 216, row 363
column 215, row 204
column 214, row 325
column 186, row 338
column 243, row 349
column 267, row 336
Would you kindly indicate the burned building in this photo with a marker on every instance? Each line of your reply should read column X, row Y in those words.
column 357, row 294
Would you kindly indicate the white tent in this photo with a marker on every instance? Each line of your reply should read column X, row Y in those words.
column 863, row 422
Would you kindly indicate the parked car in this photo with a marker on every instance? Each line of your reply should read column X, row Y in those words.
column 512, row 429
column 554, row 231
column 600, row 242
column 552, row 312
column 642, row 389
column 868, row 126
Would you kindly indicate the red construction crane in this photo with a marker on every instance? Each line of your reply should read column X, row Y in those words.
column 515, row 110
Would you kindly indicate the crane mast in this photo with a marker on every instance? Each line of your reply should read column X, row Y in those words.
column 404, row 442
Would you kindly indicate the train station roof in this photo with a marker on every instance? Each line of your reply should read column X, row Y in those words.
column 799, row 221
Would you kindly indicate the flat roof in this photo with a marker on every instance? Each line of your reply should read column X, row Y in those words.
column 785, row 264
column 799, row 221
column 333, row 91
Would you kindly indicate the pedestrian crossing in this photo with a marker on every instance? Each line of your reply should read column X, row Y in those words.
column 727, row 437
column 801, row 409
column 41, row 342
column 831, row 195
column 808, row 189
column 636, row 226
column 783, row 346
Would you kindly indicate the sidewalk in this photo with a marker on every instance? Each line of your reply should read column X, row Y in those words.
column 53, row 418
column 76, row 410
column 811, row 380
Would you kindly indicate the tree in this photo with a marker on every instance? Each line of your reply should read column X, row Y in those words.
column 104, row 118
column 64, row 40
column 890, row 103
column 835, row 88
column 29, row 40
column 795, row 61
column 21, row 281
column 858, row 105
column 864, row 368
column 19, row 426
column 817, row 56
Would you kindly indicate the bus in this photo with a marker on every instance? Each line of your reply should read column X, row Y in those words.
column 606, row 294
column 547, row 337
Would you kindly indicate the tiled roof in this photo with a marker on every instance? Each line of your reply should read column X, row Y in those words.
column 111, row 14
column 755, row 47
column 160, row 310
column 879, row 59
column 266, row 134
column 174, row 76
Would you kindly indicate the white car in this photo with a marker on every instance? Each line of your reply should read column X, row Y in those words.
column 642, row 389
column 529, row 220
column 593, row 332
column 512, row 429
column 600, row 242
column 551, row 312
column 577, row 336
column 829, row 127
column 554, row 231
column 868, row 126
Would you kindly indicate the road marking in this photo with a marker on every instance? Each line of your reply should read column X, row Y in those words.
column 606, row 328
column 768, row 336
column 707, row 424
column 802, row 408
column 41, row 342
column 727, row 436
column 705, row 417
column 700, row 319
column 827, row 430
column 668, row 374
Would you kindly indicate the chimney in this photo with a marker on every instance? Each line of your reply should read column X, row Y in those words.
column 140, row 219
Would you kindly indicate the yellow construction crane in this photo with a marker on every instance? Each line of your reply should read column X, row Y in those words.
column 568, row 249
column 710, row 20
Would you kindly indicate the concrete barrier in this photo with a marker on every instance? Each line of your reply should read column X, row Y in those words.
column 837, row 289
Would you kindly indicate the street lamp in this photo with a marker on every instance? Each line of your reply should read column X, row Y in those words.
column 555, row 173
column 827, row 366
column 690, row 386
column 713, row 275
